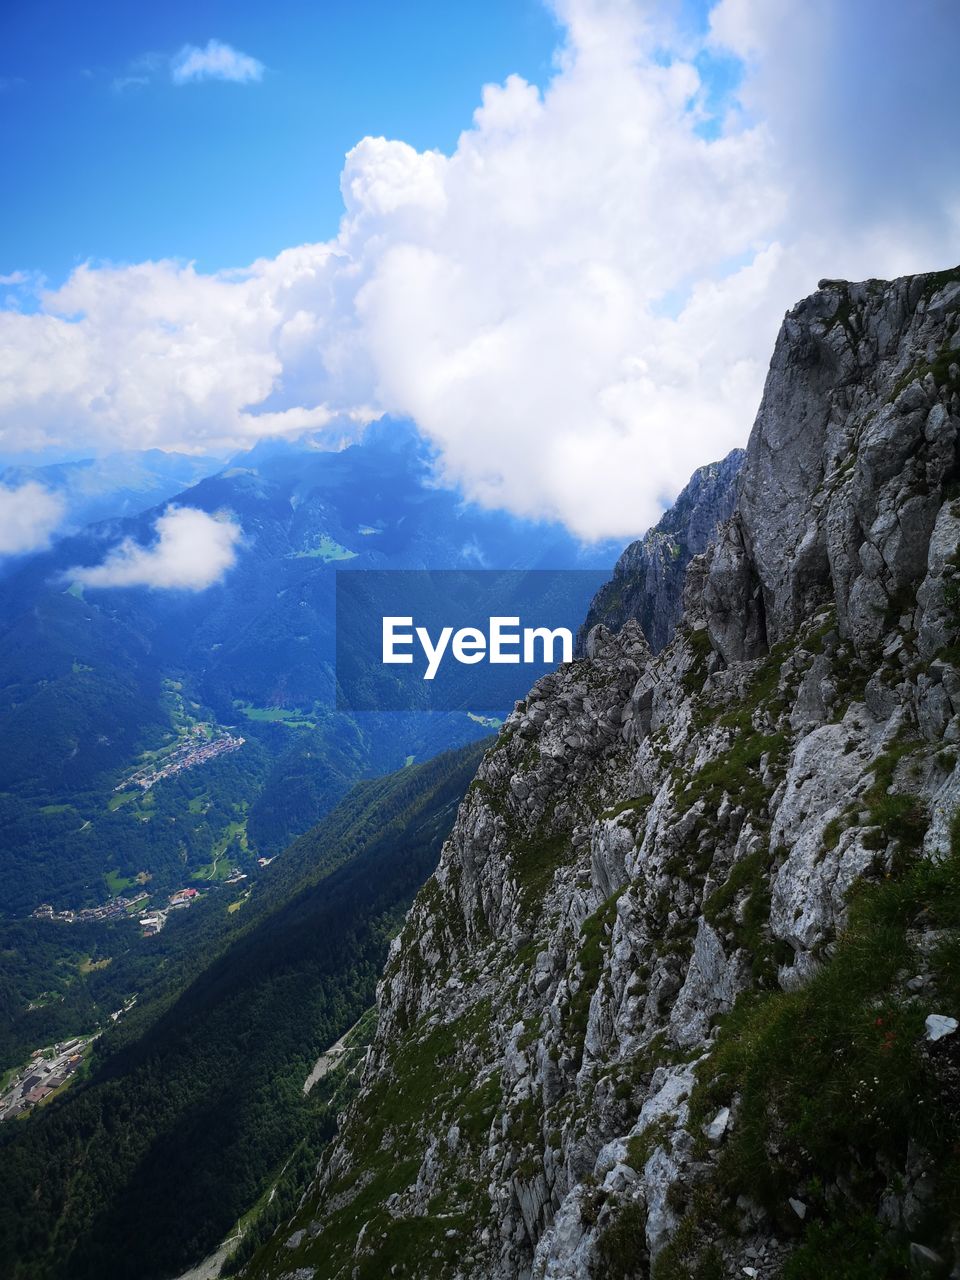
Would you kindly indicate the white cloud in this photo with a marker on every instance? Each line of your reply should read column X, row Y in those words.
column 29, row 514
column 865, row 129
column 578, row 304
column 193, row 550
column 215, row 61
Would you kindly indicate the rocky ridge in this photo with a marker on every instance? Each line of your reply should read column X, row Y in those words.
column 647, row 582
column 678, row 999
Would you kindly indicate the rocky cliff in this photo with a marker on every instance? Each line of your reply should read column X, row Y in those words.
column 647, row 582
column 680, row 998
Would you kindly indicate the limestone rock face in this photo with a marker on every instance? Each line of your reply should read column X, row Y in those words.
column 665, row 868
column 648, row 578
column 733, row 598
column 851, row 452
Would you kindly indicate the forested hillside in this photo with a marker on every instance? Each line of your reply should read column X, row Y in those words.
column 195, row 1100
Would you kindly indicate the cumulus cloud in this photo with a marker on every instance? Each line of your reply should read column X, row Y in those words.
column 215, row 61
column 192, row 551
column 578, row 304
column 29, row 514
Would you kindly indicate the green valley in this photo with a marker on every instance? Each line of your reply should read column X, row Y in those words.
column 194, row 1099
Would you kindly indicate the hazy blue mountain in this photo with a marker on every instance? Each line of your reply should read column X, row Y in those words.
column 117, row 484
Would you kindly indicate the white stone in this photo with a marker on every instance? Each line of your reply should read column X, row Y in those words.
column 939, row 1025
column 718, row 1125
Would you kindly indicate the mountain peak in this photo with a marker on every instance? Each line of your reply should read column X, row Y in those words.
column 648, row 578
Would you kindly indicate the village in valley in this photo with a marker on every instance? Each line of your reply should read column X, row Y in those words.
column 199, row 747
column 114, row 909
column 47, row 1071
column 151, row 921
column 52, row 1068
column 197, row 743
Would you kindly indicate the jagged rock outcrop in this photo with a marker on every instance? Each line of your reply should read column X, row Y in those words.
column 647, row 582
column 665, row 1006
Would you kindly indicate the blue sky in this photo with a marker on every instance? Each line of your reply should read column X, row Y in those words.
column 219, row 172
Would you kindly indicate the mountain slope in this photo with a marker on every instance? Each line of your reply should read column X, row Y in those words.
column 682, row 997
column 196, row 1098
column 648, row 578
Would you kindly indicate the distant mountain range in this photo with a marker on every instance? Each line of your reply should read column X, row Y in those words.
column 118, row 484
column 90, row 679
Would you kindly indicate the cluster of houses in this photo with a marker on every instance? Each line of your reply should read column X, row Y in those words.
column 111, row 910
column 46, row 1071
column 152, row 922
column 195, row 750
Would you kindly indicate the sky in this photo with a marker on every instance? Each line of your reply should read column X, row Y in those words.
column 559, row 236
column 111, row 159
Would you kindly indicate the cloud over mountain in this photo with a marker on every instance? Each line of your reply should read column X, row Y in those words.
column 193, row 550
column 29, row 514
column 577, row 304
